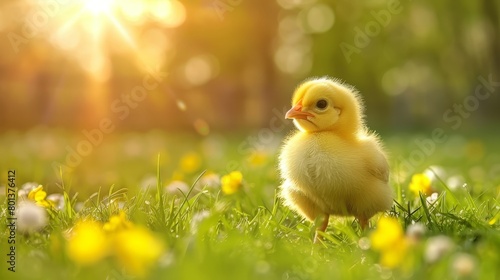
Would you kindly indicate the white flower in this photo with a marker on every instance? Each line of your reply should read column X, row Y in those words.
column 364, row 243
column 58, row 200
column 437, row 247
column 463, row 264
column 79, row 206
column 25, row 189
column 117, row 203
column 435, row 173
column 432, row 200
column 416, row 231
column 455, row 182
column 29, row 186
column 148, row 183
column 211, row 181
column 177, row 188
column 30, row 217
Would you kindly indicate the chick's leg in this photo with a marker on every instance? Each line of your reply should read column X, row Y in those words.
column 298, row 200
column 323, row 220
column 363, row 222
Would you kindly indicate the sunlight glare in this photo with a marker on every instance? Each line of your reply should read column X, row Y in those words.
column 97, row 7
column 161, row 9
column 133, row 10
column 171, row 15
column 97, row 65
column 123, row 32
column 66, row 41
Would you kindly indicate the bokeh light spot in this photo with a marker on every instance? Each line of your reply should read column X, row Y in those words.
column 201, row 126
column 161, row 9
column 170, row 14
column 200, row 69
column 318, row 19
column 292, row 60
column 181, row 105
column 394, row 82
column 289, row 4
column 132, row 10
column 289, row 30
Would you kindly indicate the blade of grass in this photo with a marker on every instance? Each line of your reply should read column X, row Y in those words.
column 430, row 219
column 159, row 195
column 452, row 197
column 187, row 195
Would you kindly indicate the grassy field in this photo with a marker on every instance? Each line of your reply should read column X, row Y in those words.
column 161, row 206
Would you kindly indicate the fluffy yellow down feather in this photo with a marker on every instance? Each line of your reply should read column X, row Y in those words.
column 333, row 165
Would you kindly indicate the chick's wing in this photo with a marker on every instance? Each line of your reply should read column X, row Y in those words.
column 379, row 168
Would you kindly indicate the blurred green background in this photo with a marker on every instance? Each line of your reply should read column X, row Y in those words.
column 227, row 63
column 214, row 78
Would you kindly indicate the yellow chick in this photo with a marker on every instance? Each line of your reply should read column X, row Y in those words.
column 332, row 165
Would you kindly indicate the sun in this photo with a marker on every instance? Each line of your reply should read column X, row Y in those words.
column 90, row 32
column 97, row 7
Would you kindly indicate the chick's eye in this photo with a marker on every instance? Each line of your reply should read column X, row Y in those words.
column 321, row 104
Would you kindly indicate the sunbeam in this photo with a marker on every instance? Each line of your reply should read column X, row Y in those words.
column 97, row 7
column 91, row 30
column 125, row 35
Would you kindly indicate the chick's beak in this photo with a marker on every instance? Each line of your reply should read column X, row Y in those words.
column 297, row 113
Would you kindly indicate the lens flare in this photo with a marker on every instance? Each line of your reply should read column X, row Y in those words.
column 97, row 7
column 96, row 27
column 201, row 126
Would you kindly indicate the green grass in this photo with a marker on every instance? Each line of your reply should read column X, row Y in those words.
column 250, row 234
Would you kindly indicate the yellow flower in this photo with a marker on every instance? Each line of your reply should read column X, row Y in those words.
column 38, row 195
column 190, row 162
column 137, row 250
column 388, row 231
column 389, row 239
column 231, row 182
column 257, row 158
column 88, row 243
column 420, row 183
column 117, row 222
column 395, row 256
column 494, row 219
